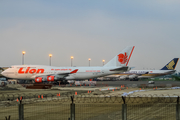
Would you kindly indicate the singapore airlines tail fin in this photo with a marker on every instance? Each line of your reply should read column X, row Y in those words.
column 122, row 58
column 171, row 65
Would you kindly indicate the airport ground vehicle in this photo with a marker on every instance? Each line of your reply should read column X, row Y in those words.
column 151, row 82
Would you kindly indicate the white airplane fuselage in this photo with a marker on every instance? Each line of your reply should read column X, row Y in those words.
column 29, row 72
column 141, row 74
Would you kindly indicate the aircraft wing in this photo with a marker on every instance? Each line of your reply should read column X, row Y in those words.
column 62, row 75
column 59, row 75
column 74, row 71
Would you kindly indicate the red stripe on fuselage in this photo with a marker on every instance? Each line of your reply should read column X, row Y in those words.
column 130, row 55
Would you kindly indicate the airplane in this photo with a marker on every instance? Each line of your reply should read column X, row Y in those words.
column 41, row 73
column 136, row 74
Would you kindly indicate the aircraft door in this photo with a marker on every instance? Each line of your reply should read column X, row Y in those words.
column 16, row 71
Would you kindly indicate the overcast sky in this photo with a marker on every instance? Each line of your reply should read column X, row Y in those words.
column 96, row 29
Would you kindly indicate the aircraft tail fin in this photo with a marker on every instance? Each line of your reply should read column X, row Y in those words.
column 122, row 59
column 171, row 65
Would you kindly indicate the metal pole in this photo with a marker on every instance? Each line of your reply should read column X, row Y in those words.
column 50, row 61
column 72, row 108
column 177, row 112
column 21, row 110
column 103, row 62
column 177, row 109
column 22, row 59
column 72, row 111
column 124, row 111
column 71, row 62
column 89, row 63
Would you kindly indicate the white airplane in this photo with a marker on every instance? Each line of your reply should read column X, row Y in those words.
column 41, row 73
column 136, row 74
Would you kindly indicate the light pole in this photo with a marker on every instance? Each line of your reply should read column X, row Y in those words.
column 23, row 52
column 72, row 60
column 103, row 62
column 50, row 55
column 89, row 61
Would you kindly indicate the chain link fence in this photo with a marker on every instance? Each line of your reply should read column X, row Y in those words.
column 74, row 106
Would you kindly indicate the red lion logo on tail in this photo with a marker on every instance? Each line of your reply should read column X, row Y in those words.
column 122, row 58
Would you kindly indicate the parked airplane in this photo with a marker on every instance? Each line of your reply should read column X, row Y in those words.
column 136, row 74
column 41, row 73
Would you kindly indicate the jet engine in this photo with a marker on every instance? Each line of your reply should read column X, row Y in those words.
column 50, row 78
column 45, row 79
column 124, row 77
column 38, row 79
column 132, row 76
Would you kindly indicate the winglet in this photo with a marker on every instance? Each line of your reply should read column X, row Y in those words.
column 74, row 71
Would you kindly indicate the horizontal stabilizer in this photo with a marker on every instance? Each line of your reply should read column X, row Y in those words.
column 124, row 68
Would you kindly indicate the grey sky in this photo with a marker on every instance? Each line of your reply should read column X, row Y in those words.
column 96, row 29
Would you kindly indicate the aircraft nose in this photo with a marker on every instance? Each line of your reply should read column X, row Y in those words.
column 2, row 73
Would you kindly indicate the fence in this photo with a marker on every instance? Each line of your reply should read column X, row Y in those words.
column 88, row 107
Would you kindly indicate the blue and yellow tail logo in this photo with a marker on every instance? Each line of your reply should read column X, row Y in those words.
column 171, row 65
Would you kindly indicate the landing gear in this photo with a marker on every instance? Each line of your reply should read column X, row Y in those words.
column 61, row 82
column 64, row 82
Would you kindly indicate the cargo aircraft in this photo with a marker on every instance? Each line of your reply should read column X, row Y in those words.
column 41, row 73
column 136, row 74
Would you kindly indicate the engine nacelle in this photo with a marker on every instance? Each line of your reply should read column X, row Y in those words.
column 50, row 78
column 123, row 77
column 38, row 79
column 133, row 76
column 44, row 79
